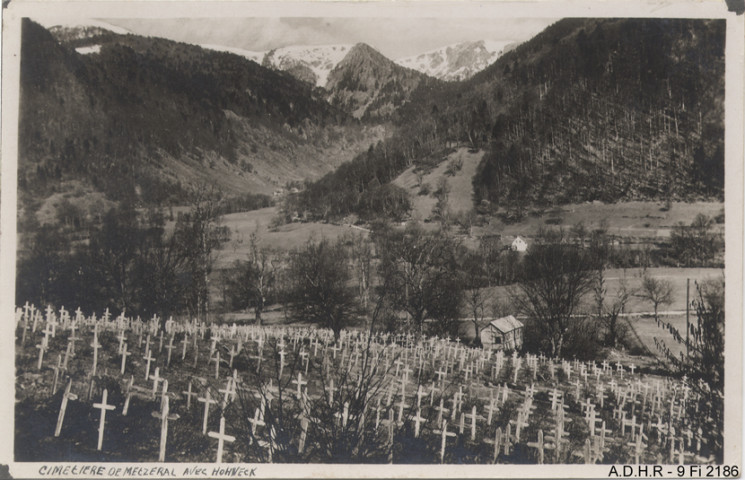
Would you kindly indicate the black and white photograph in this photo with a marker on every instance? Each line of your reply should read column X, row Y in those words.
column 390, row 235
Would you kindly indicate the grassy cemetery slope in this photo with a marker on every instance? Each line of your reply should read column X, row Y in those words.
column 198, row 392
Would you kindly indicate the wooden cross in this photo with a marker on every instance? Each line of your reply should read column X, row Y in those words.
column 228, row 391
column 343, row 415
column 520, row 423
column 207, row 400
column 51, row 323
column 122, row 338
column 189, row 394
column 601, row 396
column 130, row 384
column 164, row 416
column 639, row 446
column 539, row 446
column 440, row 411
column 441, row 375
column 418, row 419
column 303, row 434
column 631, row 423
column 577, row 386
column 300, row 383
column 149, row 358
column 568, row 370
column 505, row 393
column 170, row 348
column 473, row 416
column 232, row 356
column 95, row 346
column 217, row 364
column 221, row 438
column 432, row 391
column 507, row 440
column 65, row 397
column 184, row 343
column 256, row 421
column 455, row 402
column 125, row 354
column 331, row 391
column 236, row 382
column 282, row 355
column 156, row 378
column 445, row 434
column 420, row 393
column 406, row 372
column 401, row 406
column 41, row 348
column 496, row 442
column 555, row 396
column 103, row 406
column 491, row 409
column 56, row 373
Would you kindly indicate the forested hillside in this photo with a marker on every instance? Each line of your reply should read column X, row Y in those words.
column 612, row 109
column 589, row 109
column 145, row 118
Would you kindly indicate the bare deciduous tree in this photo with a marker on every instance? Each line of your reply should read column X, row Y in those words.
column 557, row 275
column 319, row 274
column 657, row 291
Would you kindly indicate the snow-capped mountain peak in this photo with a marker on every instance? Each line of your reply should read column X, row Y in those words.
column 456, row 62
column 312, row 63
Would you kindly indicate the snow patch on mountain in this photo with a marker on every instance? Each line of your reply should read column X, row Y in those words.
column 456, row 62
column 257, row 57
column 81, row 24
column 88, row 50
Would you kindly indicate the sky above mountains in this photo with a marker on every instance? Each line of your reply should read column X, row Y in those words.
column 395, row 37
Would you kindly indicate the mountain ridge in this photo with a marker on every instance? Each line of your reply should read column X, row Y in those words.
column 589, row 109
column 458, row 61
column 147, row 118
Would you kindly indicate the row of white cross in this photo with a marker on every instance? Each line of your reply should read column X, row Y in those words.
column 451, row 360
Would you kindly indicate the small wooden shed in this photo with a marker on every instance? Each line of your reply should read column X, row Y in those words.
column 504, row 333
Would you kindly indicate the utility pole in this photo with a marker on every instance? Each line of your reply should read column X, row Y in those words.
column 688, row 307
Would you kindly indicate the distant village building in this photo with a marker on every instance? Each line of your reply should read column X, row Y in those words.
column 504, row 333
column 519, row 244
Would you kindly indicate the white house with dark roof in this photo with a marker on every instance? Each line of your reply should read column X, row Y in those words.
column 519, row 244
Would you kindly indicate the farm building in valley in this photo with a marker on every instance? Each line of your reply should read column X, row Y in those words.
column 504, row 333
column 519, row 244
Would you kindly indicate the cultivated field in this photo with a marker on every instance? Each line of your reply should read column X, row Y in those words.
column 622, row 219
column 284, row 238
